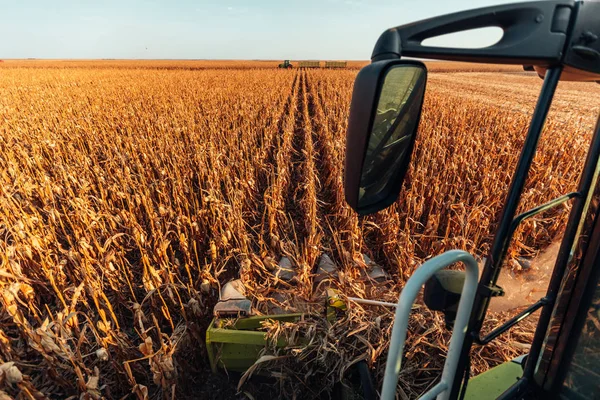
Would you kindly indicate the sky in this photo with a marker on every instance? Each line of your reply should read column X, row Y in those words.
column 231, row 29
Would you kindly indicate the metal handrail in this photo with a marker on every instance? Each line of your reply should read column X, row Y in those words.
column 512, row 322
column 403, row 309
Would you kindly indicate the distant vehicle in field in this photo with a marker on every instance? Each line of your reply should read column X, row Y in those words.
column 309, row 64
column 286, row 64
column 335, row 64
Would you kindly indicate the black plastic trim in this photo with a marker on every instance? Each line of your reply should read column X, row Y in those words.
column 367, row 88
column 583, row 53
column 534, row 34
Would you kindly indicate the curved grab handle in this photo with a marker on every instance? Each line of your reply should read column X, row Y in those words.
column 405, row 303
column 534, row 34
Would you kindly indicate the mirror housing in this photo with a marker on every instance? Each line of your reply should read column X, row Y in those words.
column 384, row 117
column 442, row 293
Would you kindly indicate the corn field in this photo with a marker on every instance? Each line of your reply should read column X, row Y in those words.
column 130, row 195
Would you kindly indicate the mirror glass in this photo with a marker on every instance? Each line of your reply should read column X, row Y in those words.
column 392, row 132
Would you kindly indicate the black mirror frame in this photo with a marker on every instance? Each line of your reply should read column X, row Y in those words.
column 367, row 88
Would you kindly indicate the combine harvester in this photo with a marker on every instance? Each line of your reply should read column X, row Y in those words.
column 314, row 64
column 561, row 41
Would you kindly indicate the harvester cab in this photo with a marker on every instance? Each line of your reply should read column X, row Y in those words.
column 560, row 40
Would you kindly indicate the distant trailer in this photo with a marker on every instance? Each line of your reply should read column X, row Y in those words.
column 335, row 64
column 309, row 64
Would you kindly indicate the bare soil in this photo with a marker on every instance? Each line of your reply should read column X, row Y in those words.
column 526, row 287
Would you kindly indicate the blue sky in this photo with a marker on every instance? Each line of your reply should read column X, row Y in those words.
column 232, row 29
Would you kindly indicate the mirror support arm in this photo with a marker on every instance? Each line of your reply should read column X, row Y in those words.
column 534, row 34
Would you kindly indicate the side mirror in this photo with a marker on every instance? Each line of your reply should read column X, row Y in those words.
column 442, row 293
column 384, row 117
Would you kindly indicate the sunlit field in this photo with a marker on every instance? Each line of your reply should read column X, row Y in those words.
column 132, row 191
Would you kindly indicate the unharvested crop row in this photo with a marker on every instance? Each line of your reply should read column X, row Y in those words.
column 123, row 203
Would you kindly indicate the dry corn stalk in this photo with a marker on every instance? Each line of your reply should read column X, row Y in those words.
column 129, row 194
